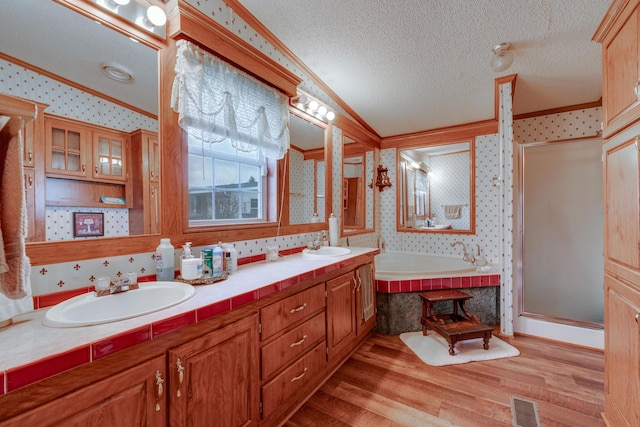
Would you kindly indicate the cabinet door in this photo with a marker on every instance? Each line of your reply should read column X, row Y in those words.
column 341, row 312
column 110, row 156
column 621, row 73
column 622, row 353
column 365, row 299
column 30, row 196
column 152, row 210
column 66, row 153
column 622, row 228
column 215, row 379
column 154, row 158
column 134, row 397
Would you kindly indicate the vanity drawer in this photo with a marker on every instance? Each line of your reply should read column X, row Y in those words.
column 283, row 350
column 293, row 378
column 282, row 314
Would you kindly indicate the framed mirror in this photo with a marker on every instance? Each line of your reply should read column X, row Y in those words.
column 98, row 92
column 436, row 188
column 357, row 194
column 307, row 170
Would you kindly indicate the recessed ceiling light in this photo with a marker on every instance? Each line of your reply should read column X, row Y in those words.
column 116, row 72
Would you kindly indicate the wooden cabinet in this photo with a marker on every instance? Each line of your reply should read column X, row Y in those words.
column 66, row 149
column 145, row 177
column 621, row 68
column 110, row 156
column 133, row 397
column 214, row 379
column 619, row 33
column 341, row 312
column 293, row 351
column 622, row 353
column 347, row 319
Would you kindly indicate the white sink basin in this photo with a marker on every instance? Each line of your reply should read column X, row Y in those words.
column 324, row 252
column 88, row 309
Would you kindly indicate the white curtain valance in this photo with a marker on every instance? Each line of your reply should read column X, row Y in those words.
column 216, row 101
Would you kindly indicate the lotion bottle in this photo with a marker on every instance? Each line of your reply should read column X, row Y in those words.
column 189, row 267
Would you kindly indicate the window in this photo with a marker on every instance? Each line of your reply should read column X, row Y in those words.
column 225, row 185
column 237, row 127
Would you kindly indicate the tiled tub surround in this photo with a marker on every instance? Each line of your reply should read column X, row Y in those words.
column 31, row 351
column 399, row 305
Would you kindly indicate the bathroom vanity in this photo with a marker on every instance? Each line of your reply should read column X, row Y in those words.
column 247, row 358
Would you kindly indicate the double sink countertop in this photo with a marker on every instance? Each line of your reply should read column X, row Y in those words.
column 27, row 340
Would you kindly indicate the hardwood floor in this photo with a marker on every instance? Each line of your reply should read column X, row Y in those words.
column 385, row 384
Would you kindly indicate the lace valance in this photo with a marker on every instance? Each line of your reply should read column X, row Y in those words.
column 216, row 101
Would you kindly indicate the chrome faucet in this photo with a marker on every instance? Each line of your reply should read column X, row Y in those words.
column 468, row 257
column 316, row 243
column 121, row 285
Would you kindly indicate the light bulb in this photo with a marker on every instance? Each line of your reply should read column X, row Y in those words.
column 121, row 2
column 331, row 115
column 156, row 16
column 313, row 106
column 322, row 110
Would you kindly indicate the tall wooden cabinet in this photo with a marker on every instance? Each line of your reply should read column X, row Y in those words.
column 145, row 154
column 619, row 35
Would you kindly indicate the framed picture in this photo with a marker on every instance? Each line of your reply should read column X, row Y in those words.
column 86, row 224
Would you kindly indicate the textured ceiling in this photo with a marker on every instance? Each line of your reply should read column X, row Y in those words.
column 412, row 65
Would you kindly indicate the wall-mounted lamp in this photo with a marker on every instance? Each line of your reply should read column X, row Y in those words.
column 150, row 18
column 382, row 179
column 502, row 57
column 313, row 107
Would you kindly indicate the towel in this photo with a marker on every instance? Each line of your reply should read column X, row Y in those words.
column 366, row 285
column 452, row 211
column 15, row 267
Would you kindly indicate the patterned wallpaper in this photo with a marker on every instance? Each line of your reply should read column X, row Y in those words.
column 454, row 190
column 297, row 193
column 67, row 101
column 59, row 222
column 570, row 124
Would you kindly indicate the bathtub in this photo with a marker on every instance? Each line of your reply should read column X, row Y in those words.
column 405, row 266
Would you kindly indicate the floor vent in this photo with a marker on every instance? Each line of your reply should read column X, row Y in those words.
column 524, row 413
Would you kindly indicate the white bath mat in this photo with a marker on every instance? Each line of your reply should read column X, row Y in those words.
column 434, row 349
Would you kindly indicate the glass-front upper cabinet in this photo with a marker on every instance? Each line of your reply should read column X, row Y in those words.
column 110, row 156
column 67, row 148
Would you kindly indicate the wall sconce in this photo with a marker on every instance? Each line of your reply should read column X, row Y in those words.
column 150, row 18
column 502, row 57
column 382, row 180
column 311, row 106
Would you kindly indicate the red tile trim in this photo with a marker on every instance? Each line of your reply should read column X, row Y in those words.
column 119, row 342
column 43, row 368
column 173, row 323
column 243, row 299
column 213, row 309
column 436, row 283
column 2, row 386
column 287, row 283
column 268, row 290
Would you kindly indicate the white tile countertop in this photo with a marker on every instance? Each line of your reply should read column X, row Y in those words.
column 27, row 340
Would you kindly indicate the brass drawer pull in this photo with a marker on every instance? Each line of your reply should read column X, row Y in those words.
column 294, row 379
column 636, row 90
column 293, row 344
column 159, row 382
column 295, row 310
column 180, row 376
column 637, row 316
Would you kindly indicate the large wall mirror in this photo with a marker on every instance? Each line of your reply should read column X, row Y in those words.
column 307, row 170
column 64, row 58
column 357, row 194
column 436, row 188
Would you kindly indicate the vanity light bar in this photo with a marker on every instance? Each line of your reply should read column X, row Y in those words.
column 313, row 107
column 150, row 18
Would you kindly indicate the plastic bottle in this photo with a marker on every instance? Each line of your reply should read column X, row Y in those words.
column 217, row 260
column 165, row 270
column 189, row 264
column 232, row 257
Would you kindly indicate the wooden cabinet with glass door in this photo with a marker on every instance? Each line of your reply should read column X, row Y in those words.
column 67, row 149
column 110, row 157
